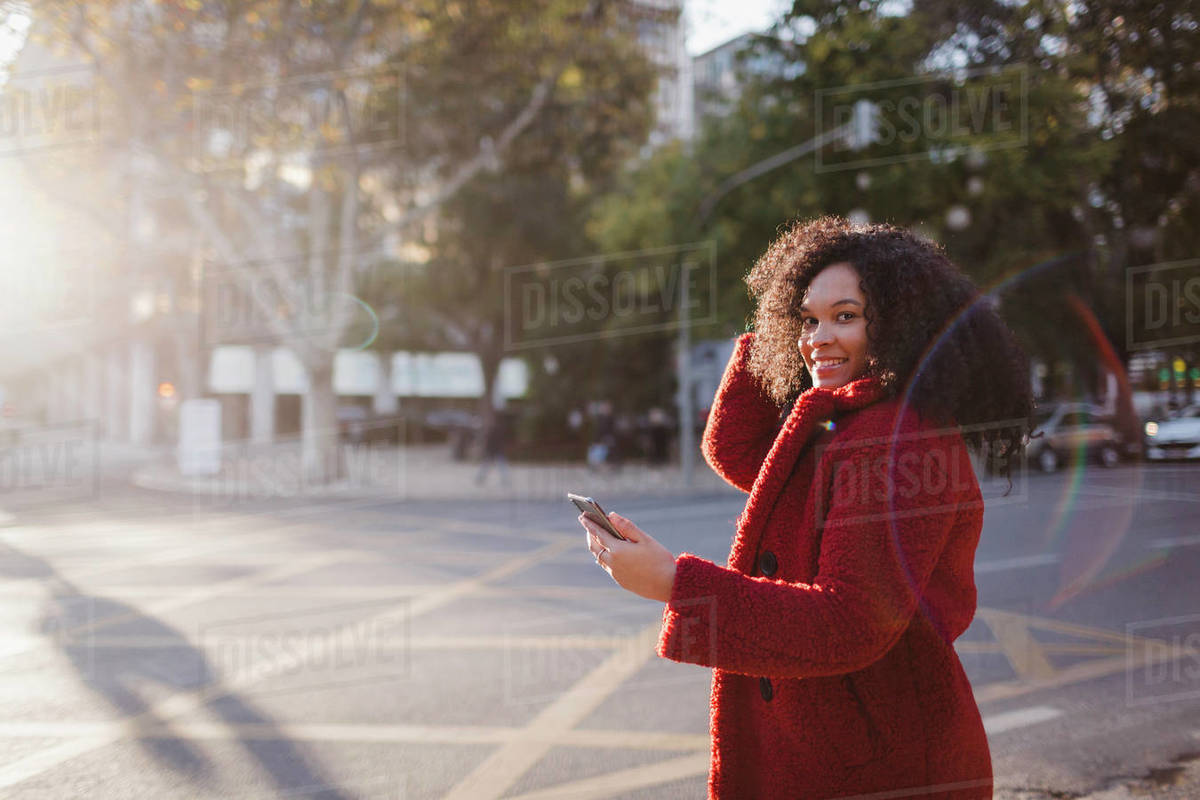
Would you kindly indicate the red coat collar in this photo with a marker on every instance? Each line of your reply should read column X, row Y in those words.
column 851, row 396
column 817, row 405
column 811, row 408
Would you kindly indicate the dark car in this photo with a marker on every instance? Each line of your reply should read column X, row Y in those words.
column 358, row 425
column 448, row 419
column 460, row 426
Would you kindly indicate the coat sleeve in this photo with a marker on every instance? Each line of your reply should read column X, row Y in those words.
column 742, row 422
column 882, row 537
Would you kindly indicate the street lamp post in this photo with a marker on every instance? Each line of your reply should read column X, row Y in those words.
column 859, row 133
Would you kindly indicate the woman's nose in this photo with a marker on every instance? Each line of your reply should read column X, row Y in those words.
column 821, row 334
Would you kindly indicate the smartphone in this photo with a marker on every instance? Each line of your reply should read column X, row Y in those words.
column 594, row 512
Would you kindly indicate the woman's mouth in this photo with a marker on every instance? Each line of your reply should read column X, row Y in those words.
column 826, row 365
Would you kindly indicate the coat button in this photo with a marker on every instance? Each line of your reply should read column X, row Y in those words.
column 764, row 688
column 767, row 563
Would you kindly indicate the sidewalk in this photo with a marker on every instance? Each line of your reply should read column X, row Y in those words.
column 427, row 472
column 1180, row 780
column 421, row 473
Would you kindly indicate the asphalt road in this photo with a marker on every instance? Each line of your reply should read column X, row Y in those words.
column 165, row 646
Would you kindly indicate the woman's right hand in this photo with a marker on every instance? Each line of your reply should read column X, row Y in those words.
column 742, row 422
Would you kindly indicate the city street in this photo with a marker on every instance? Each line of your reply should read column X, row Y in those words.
column 161, row 645
column 313, row 313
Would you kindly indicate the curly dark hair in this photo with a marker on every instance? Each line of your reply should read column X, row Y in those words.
column 931, row 334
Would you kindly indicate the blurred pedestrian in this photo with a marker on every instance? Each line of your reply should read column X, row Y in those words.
column 604, row 436
column 660, row 435
column 495, row 447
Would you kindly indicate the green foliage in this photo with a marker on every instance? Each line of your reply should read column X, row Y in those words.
column 530, row 206
column 1109, row 100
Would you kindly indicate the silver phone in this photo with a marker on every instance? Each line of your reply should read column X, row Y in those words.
column 595, row 513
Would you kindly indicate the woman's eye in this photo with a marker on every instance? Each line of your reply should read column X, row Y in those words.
column 809, row 322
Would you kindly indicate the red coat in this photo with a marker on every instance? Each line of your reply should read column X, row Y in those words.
column 836, row 676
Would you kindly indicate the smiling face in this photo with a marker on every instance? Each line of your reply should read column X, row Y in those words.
column 833, row 336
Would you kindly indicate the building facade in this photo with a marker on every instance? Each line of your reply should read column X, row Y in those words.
column 720, row 74
column 662, row 33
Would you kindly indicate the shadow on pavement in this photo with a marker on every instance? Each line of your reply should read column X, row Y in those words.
column 124, row 677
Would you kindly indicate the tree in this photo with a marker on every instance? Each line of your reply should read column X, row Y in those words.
column 1134, row 62
column 1044, row 229
column 529, row 208
column 286, row 130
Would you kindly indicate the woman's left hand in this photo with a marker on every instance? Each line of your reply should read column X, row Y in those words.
column 641, row 565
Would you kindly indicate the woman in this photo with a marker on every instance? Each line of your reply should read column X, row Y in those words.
column 846, row 415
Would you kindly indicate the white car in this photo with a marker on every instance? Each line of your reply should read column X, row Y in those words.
column 1178, row 437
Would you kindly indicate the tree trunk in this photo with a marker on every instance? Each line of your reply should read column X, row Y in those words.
column 319, row 431
column 192, row 368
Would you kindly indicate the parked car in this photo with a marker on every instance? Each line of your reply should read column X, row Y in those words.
column 1074, row 428
column 1176, row 437
column 451, row 418
column 358, row 425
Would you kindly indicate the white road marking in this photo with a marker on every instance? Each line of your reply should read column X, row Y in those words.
column 1020, row 562
column 333, row 592
column 612, row 784
column 1044, row 559
column 1140, row 494
column 731, row 508
column 1076, row 673
column 499, row 771
column 488, row 528
column 175, row 705
column 1010, row 720
column 549, row 732
column 385, row 644
column 1173, row 541
column 193, row 554
column 296, row 566
column 357, row 733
